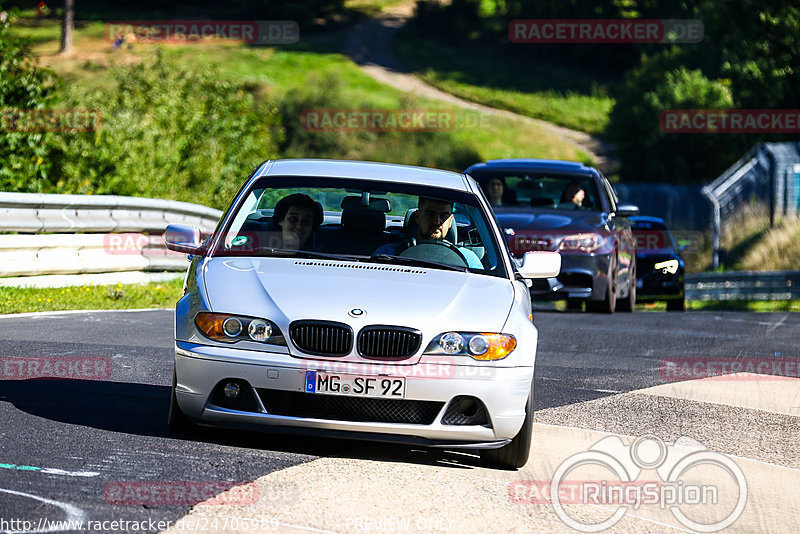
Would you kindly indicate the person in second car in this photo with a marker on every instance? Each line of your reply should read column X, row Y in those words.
column 574, row 193
column 434, row 218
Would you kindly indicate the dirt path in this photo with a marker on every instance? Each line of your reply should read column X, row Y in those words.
column 369, row 45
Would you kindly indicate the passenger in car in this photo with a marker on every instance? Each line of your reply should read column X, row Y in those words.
column 498, row 193
column 433, row 219
column 298, row 216
column 573, row 193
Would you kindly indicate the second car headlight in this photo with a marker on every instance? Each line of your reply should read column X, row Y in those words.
column 477, row 345
column 667, row 267
column 588, row 242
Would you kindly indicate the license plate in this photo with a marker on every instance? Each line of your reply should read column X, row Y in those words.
column 355, row 385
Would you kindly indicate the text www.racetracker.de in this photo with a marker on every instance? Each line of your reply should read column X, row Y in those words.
column 187, row 524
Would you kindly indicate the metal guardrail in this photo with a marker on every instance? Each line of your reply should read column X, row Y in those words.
column 743, row 285
column 38, row 213
column 77, row 234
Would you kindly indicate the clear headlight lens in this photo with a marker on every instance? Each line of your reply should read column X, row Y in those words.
column 477, row 345
column 581, row 242
column 232, row 328
column 259, row 330
column 667, row 267
column 451, row 342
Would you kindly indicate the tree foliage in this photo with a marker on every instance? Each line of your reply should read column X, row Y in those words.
column 23, row 85
column 166, row 133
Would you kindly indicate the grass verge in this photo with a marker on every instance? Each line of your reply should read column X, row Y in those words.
column 535, row 88
column 102, row 297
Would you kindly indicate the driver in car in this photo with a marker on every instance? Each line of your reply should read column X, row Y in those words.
column 434, row 218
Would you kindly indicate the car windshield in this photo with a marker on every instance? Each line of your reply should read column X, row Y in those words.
column 652, row 235
column 539, row 190
column 367, row 221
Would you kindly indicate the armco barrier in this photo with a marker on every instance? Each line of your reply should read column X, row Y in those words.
column 76, row 234
column 743, row 285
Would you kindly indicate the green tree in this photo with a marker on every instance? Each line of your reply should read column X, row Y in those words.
column 23, row 85
column 649, row 154
column 167, row 133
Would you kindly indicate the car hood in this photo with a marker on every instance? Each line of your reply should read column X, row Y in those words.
column 558, row 221
column 288, row 289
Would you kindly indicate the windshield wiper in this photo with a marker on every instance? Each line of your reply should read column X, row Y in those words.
column 388, row 258
column 287, row 252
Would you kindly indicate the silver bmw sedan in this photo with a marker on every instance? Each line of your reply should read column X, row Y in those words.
column 364, row 300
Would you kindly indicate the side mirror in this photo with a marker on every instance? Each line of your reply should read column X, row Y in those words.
column 182, row 238
column 627, row 210
column 540, row 264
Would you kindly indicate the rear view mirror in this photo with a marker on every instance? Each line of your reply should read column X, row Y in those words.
column 182, row 238
column 627, row 210
column 540, row 264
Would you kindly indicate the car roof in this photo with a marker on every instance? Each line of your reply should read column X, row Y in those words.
column 530, row 163
column 364, row 170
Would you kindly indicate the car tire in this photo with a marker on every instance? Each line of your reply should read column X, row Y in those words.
column 628, row 304
column 177, row 420
column 609, row 303
column 515, row 454
column 677, row 304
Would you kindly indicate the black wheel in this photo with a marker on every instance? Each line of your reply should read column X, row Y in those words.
column 423, row 251
column 575, row 304
column 677, row 304
column 609, row 303
column 515, row 454
column 628, row 304
column 177, row 420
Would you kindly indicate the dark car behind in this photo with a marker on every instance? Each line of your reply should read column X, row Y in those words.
column 660, row 274
column 531, row 199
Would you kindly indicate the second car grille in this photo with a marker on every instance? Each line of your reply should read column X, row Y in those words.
column 387, row 342
column 340, row 408
column 321, row 338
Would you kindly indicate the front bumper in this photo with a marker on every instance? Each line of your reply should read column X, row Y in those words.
column 502, row 390
column 582, row 276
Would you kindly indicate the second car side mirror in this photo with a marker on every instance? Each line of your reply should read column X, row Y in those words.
column 627, row 210
column 540, row 264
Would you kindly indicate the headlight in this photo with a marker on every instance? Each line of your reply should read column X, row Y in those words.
column 232, row 328
column 667, row 267
column 478, row 346
column 582, row 242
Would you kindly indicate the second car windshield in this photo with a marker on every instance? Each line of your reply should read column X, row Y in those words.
column 556, row 191
column 357, row 220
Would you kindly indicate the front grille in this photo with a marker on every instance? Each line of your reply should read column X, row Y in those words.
column 388, row 342
column 336, row 408
column 322, row 338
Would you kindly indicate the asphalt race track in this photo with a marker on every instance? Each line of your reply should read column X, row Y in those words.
column 64, row 443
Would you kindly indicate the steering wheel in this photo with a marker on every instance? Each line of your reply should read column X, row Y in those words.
column 442, row 251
